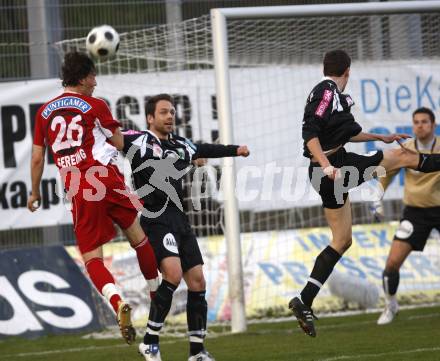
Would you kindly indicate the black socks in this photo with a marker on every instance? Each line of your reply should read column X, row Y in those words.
column 322, row 269
column 390, row 281
column 160, row 306
column 196, row 314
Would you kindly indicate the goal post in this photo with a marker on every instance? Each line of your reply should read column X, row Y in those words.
column 219, row 21
column 232, row 219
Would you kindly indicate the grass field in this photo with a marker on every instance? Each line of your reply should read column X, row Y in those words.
column 415, row 335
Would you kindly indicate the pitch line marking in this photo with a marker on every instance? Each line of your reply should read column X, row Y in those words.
column 343, row 357
column 75, row 349
column 375, row 355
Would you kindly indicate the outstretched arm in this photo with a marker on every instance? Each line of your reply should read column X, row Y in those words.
column 386, row 138
column 37, row 167
column 205, row 150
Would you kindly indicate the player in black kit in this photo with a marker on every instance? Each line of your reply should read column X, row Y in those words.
column 159, row 160
column 327, row 126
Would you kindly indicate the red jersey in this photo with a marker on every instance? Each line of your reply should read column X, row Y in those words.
column 76, row 127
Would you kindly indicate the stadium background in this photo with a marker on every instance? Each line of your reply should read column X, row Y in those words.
column 28, row 52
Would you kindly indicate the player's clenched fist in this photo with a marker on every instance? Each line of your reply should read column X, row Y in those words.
column 33, row 203
column 243, row 151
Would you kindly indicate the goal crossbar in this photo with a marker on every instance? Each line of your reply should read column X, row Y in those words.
column 370, row 8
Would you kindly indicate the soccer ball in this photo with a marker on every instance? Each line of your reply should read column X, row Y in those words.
column 102, row 42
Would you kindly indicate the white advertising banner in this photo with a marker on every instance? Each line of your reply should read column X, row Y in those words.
column 277, row 265
column 267, row 112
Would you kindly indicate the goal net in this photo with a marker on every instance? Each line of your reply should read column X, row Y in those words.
column 273, row 65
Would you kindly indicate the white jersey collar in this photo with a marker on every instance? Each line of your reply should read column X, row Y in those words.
column 328, row 78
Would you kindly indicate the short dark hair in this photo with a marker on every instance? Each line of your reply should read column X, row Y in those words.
column 336, row 62
column 76, row 66
column 424, row 110
column 150, row 107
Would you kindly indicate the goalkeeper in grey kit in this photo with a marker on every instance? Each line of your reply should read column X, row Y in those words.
column 159, row 160
column 327, row 126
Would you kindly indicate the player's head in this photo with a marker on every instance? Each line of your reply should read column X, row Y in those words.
column 337, row 64
column 423, row 123
column 78, row 72
column 161, row 114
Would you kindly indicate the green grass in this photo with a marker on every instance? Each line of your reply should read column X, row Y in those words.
column 414, row 335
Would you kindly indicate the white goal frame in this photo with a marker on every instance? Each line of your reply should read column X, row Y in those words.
column 219, row 18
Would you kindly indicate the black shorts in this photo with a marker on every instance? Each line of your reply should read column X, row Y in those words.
column 416, row 225
column 171, row 235
column 356, row 169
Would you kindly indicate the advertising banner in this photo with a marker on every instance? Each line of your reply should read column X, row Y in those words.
column 267, row 106
column 276, row 266
column 42, row 291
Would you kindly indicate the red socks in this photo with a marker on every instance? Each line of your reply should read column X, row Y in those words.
column 146, row 259
column 103, row 281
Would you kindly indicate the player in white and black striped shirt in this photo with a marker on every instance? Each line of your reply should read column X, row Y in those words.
column 162, row 159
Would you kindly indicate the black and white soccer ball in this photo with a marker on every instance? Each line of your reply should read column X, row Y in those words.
column 102, row 42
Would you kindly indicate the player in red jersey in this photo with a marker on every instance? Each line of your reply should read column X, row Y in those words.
column 84, row 140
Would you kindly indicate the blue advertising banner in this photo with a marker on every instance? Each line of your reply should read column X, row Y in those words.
column 42, row 291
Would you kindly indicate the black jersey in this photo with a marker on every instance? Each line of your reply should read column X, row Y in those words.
column 158, row 164
column 328, row 117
